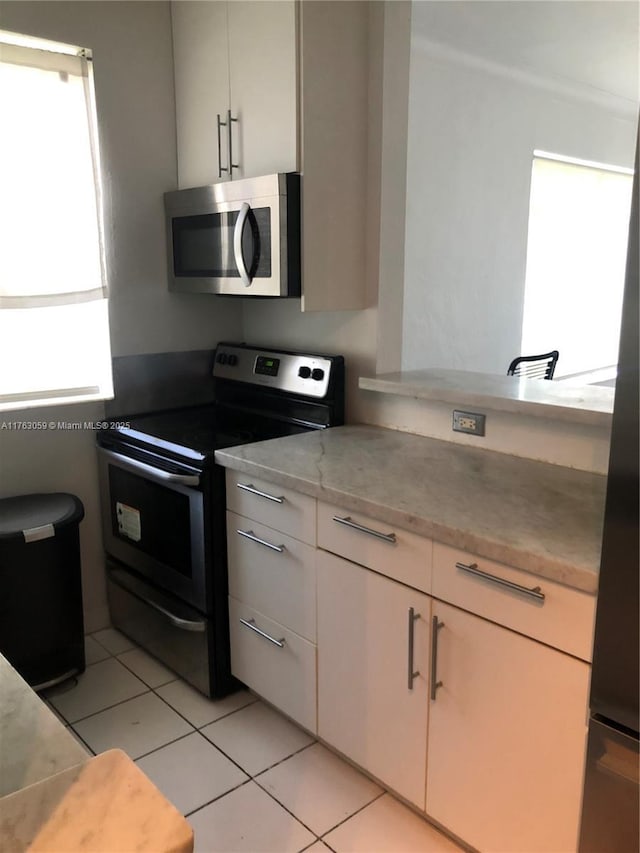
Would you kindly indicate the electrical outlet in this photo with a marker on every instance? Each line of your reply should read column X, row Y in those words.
column 470, row 422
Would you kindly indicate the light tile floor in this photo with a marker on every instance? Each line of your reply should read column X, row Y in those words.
column 246, row 778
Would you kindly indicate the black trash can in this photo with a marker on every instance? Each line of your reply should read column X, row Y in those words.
column 41, row 621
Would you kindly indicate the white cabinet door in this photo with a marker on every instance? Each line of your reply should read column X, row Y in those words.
column 365, row 706
column 296, row 77
column 264, row 86
column 239, row 56
column 506, row 738
column 201, row 69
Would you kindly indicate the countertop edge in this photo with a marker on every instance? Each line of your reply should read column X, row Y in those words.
column 550, row 410
column 103, row 804
column 541, row 565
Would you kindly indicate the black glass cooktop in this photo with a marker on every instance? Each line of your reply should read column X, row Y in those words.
column 196, row 433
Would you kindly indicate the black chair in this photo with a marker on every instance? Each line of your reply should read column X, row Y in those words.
column 534, row 366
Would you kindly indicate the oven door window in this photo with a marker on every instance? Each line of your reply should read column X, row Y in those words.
column 203, row 245
column 151, row 518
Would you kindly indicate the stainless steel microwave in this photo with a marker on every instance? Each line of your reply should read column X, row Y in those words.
column 237, row 238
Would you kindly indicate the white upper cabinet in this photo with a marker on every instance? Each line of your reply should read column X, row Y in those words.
column 294, row 80
column 238, row 60
column 201, row 69
column 263, row 82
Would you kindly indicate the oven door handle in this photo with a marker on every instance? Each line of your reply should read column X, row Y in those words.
column 237, row 243
column 176, row 621
column 151, row 472
column 197, row 626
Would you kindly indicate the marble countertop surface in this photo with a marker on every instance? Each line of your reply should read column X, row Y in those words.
column 34, row 744
column 561, row 401
column 56, row 798
column 542, row 518
column 105, row 805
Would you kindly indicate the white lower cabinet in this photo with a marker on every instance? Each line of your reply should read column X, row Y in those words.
column 274, row 661
column 477, row 718
column 272, row 593
column 507, row 736
column 373, row 666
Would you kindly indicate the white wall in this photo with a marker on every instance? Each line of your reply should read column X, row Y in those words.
column 134, row 89
column 131, row 43
column 353, row 334
column 473, row 127
column 393, row 179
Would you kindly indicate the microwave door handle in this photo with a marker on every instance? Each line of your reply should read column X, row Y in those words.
column 237, row 243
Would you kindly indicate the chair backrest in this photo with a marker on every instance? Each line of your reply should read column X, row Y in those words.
column 534, row 366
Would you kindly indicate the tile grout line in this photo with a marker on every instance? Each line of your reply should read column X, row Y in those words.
column 80, row 738
column 154, row 691
column 200, row 732
column 219, row 797
column 175, row 676
column 76, row 683
column 318, row 836
column 282, row 806
column 282, row 760
column 357, row 811
column 233, row 760
column 198, row 729
column 113, row 654
column 108, row 707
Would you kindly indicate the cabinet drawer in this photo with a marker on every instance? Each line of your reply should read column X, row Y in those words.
column 281, row 584
column 564, row 618
column 283, row 509
column 284, row 675
column 401, row 555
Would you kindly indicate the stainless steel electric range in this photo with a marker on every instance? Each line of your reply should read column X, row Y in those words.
column 163, row 500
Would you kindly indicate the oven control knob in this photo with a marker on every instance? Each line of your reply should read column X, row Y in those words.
column 232, row 360
column 304, row 372
column 222, row 358
column 317, row 373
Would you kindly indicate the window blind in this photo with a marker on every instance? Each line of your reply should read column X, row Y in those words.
column 54, row 342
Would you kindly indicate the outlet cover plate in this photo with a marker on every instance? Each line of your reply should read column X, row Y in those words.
column 469, row 422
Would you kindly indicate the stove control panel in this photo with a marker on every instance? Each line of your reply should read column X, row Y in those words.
column 295, row 373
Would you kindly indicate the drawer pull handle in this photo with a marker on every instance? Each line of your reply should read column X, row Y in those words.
column 249, row 487
column 435, row 627
column 348, row 522
column 249, row 534
column 411, row 673
column 251, row 623
column 472, row 569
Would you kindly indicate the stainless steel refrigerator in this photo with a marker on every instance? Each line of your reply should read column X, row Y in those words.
column 611, row 791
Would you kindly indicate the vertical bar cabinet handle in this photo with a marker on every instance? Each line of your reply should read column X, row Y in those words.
column 435, row 627
column 412, row 616
column 232, row 165
column 221, row 168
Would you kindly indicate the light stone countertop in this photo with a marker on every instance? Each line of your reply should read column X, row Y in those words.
column 562, row 401
column 34, row 744
column 542, row 518
column 57, row 798
column 105, row 805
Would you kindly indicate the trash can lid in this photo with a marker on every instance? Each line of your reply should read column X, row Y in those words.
column 26, row 512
